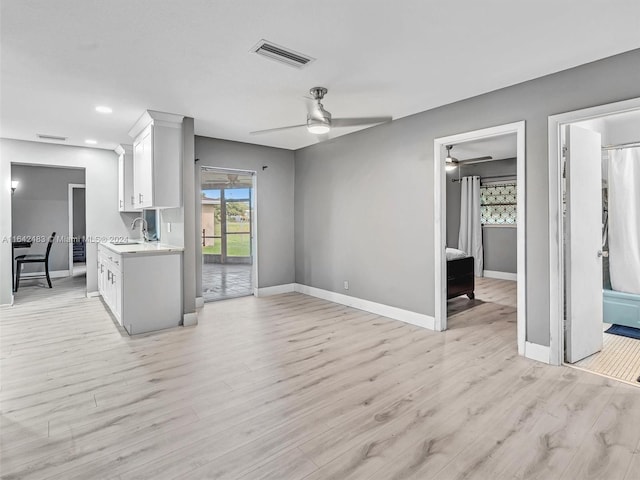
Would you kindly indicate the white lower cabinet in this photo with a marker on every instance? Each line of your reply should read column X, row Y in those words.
column 110, row 280
column 142, row 290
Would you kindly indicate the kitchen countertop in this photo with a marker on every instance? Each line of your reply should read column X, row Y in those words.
column 142, row 248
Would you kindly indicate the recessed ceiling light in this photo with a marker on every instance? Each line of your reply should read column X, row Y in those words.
column 103, row 109
column 91, row 142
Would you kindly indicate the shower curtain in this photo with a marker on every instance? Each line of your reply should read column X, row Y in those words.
column 624, row 220
column 470, row 234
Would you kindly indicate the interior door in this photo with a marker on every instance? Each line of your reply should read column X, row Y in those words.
column 583, row 259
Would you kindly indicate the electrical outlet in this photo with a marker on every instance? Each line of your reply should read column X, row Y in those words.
column 346, row 285
column 169, row 227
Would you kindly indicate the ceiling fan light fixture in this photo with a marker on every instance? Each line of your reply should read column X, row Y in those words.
column 449, row 167
column 318, row 126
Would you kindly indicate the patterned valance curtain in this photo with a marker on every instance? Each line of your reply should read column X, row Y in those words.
column 498, row 204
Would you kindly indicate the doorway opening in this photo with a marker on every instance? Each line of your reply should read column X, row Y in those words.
column 597, row 171
column 480, row 221
column 228, row 233
column 47, row 215
column 77, row 230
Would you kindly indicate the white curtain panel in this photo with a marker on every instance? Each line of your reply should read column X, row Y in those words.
column 624, row 220
column 470, row 235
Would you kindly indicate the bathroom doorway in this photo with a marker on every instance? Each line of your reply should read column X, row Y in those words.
column 227, row 235
column 598, row 300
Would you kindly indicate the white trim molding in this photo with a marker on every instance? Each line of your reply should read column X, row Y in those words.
column 556, row 231
column 539, row 353
column 407, row 316
column 275, row 290
column 440, row 222
column 199, row 302
column 189, row 319
column 500, row 275
column 71, row 187
column 93, row 294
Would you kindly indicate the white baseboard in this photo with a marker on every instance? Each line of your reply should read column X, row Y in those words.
column 53, row 274
column 537, row 352
column 407, row 316
column 190, row 319
column 199, row 302
column 500, row 275
column 275, row 290
column 95, row 293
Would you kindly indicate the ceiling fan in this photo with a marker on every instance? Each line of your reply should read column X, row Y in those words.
column 232, row 179
column 319, row 120
column 452, row 162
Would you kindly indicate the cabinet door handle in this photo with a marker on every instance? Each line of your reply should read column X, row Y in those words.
column 140, row 197
column 121, row 204
column 108, row 275
column 116, row 262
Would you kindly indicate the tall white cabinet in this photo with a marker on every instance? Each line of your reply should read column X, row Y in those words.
column 157, row 160
column 126, row 200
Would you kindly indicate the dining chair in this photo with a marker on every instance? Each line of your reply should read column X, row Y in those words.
column 35, row 258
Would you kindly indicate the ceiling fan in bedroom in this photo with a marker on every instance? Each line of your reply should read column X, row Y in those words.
column 451, row 162
column 319, row 120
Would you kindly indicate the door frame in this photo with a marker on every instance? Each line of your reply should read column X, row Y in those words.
column 440, row 220
column 73, row 186
column 556, row 228
column 254, row 215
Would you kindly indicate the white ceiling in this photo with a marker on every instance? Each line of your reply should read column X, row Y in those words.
column 61, row 58
column 500, row 148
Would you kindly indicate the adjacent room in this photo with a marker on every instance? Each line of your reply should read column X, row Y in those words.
column 481, row 219
column 48, row 230
column 602, row 191
column 310, row 241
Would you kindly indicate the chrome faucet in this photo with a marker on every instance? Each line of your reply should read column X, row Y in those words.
column 145, row 227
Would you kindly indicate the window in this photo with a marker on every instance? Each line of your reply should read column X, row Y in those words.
column 498, row 204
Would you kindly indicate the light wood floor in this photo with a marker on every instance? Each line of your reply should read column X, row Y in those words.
column 293, row 387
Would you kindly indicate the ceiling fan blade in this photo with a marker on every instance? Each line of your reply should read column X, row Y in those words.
column 354, row 122
column 270, row 130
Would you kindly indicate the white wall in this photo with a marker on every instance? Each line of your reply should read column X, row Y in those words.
column 101, row 180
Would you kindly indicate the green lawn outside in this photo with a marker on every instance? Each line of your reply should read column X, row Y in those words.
column 237, row 245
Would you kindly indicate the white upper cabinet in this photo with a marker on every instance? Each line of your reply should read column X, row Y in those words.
column 126, row 201
column 157, row 160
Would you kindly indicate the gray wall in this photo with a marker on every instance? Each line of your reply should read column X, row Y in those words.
column 79, row 219
column 274, row 203
column 101, row 180
column 499, row 243
column 40, row 206
column 352, row 221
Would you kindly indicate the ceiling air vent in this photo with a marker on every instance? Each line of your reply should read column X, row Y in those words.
column 281, row 54
column 56, row 138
